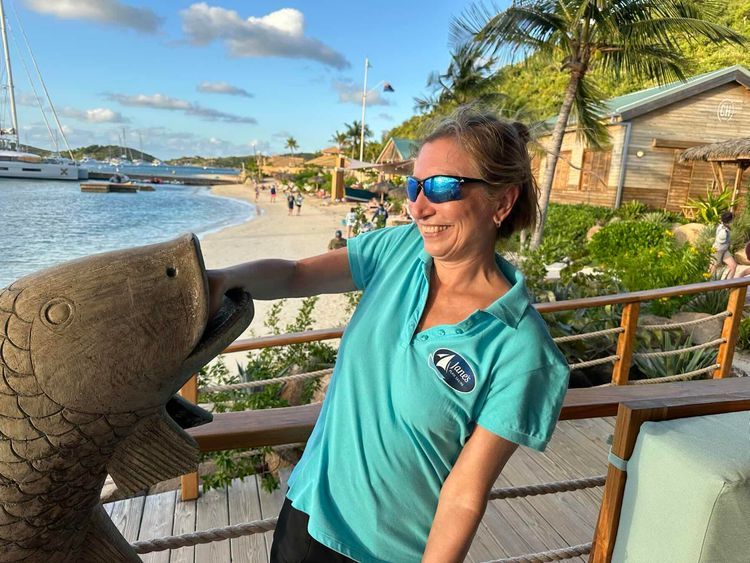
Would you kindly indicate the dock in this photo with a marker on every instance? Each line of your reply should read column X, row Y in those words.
column 200, row 180
column 107, row 187
column 509, row 528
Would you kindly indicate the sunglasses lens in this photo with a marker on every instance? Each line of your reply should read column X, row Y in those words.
column 412, row 188
column 440, row 189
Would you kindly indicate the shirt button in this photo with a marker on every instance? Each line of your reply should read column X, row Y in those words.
column 441, row 332
column 459, row 331
column 423, row 337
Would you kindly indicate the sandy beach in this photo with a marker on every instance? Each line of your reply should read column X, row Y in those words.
column 274, row 234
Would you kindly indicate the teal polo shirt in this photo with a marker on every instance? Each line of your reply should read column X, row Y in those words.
column 401, row 404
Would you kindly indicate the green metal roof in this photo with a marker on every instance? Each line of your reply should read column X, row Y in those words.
column 629, row 103
column 405, row 147
column 637, row 103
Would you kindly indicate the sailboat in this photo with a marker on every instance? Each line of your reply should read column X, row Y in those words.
column 15, row 163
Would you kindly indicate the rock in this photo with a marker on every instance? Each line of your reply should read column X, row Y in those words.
column 688, row 233
column 741, row 258
column 652, row 320
column 592, row 231
column 703, row 332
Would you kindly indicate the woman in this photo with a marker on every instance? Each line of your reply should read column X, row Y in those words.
column 444, row 368
column 720, row 247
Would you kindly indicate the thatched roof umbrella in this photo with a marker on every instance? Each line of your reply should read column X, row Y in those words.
column 381, row 188
column 734, row 151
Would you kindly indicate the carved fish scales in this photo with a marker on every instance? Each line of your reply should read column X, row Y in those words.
column 91, row 352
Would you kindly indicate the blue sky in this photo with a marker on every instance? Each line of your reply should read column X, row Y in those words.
column 212, row 78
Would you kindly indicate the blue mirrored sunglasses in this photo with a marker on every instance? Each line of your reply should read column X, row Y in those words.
column 437, row 189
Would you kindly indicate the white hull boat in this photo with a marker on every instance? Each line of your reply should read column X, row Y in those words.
column 15, row 164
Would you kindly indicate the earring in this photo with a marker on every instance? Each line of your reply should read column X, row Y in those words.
column 498, row 223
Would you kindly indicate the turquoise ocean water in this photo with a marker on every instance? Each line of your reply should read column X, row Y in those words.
column 43, row 223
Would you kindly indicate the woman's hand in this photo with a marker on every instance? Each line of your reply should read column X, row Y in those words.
column 218, row 285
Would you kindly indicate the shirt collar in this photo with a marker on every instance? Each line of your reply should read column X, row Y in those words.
column 510, row 307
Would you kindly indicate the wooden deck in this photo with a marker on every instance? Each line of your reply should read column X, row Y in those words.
column 509, row 528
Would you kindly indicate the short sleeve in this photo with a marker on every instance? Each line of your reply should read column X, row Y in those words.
column 368, row 251
column 524, row 408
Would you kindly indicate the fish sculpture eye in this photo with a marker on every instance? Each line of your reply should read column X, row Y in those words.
column 57, row 313
column 171, row 272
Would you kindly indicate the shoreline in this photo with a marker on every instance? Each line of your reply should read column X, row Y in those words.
column 272, row 233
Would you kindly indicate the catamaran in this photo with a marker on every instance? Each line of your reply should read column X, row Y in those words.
column 15, row 163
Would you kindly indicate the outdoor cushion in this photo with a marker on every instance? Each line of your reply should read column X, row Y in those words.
column 687, row 495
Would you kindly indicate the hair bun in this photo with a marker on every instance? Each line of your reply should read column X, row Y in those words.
column 522, row 131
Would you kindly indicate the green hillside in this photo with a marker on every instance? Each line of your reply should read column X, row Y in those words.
column 535, row 87
column 103, row 152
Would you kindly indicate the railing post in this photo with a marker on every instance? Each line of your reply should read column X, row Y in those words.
column 729, row 331
column 625, row 343
column 189, row 482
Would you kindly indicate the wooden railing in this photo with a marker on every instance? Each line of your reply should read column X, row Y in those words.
column 291, row 425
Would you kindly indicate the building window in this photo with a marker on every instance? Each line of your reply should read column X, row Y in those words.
column 562, row 172
column 595, row 170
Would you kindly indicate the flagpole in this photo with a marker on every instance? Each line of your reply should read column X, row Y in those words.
column 364, row 102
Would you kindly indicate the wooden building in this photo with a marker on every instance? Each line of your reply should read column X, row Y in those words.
column 648, row 131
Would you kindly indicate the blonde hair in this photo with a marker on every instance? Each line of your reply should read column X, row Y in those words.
column 498, row 147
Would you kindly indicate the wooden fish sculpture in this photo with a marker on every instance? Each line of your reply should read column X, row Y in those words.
column 91, row 354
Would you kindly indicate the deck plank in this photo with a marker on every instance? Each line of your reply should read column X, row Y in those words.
column 212, row 512
column 126, row 515
column 158, row 514
column 244, row 506
column 183, row 523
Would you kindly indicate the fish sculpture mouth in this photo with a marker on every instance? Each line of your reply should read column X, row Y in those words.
column 225, row 326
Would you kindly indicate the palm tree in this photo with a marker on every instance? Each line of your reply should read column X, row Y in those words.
column 353, row 132
column 291, row 144
column 637, row 38
column 465, row 80
column 341, row 139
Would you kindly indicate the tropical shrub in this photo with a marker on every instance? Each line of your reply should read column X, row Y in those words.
column 708, row 210
column 743, row 339
column 625, row 238
column 631, row 210
column 572, row 222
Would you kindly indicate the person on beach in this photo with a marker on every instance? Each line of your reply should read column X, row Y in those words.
column 720, row 247
column 257, row 192
column 338, row 241
column 380, row 216
column 273, row 193
column 350, row 220
column 290, row 202
column 298, row 202
column 443, row 370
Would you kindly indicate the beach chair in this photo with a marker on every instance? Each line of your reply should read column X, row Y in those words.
column 678, row 482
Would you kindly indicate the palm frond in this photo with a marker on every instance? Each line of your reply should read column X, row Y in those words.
column 588, row 107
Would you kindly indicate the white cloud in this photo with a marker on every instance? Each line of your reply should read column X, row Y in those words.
column 278, row 34
column 223, row 88
column 385, row 116
column 160, row 101
column 282, row 135
column 110, row 12
column 351, row 93
column 96, row 115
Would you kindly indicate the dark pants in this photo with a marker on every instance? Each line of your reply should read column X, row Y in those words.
column 292, row 543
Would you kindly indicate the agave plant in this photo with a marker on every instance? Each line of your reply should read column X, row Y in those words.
column 664, row 340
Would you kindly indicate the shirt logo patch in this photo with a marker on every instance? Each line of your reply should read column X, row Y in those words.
column 453, row 370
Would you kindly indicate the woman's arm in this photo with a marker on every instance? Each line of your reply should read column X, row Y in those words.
column 463, row 497
column 276, row 279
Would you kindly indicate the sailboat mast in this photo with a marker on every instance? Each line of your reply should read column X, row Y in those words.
column 11, row 91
